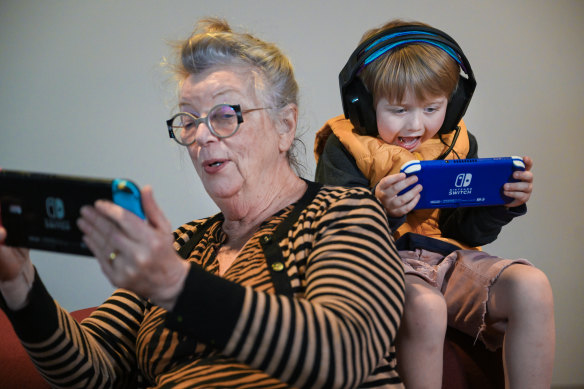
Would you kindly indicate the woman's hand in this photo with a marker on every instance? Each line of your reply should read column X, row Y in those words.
column 520, row 191
column 135, row 254
column 16, row 273
column 387, row 193
column 12, row 259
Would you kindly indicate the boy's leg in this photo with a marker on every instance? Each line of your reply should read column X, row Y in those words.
column 420, row 339
column 521, row 299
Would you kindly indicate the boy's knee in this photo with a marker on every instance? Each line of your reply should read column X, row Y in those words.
column 425, row 309
column 528, row 286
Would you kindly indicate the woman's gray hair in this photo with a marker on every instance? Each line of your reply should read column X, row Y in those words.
column 214, row 44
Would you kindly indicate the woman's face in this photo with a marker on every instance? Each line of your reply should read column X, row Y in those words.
column 236, row 165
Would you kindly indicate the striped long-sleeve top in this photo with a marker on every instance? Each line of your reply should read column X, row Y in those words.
column 336, row 327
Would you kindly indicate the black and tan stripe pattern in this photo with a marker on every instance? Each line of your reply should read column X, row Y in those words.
column 337, row 330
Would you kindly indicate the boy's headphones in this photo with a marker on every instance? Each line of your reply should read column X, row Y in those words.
column 358, row 101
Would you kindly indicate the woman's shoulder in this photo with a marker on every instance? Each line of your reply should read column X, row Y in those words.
column 346, row 208
column 342, row 191
column 346, row 196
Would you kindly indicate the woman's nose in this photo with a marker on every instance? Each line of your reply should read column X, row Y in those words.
column 203, row 134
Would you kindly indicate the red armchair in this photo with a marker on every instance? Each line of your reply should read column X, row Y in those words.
column 470, row 365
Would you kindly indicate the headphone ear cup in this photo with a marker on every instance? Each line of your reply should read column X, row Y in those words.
column 457, row 105
column 451, row 117
column 358, row 104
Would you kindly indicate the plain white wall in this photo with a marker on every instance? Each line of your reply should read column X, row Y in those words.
column 82, row 92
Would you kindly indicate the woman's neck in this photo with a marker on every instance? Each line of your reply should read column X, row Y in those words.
column 244, row 213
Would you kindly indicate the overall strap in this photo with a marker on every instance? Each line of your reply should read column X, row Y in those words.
column 187, row 248
column 272, row 252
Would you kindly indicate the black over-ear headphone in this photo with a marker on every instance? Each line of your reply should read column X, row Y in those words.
column 358, row 101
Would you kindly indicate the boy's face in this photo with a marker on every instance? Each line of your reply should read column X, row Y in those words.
column 410, row 122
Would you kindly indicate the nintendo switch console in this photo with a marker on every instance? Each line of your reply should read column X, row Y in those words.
column 463, row 182
column 40, row 211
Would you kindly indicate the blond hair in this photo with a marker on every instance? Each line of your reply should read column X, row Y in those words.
column 213, row 43
column 425, row 70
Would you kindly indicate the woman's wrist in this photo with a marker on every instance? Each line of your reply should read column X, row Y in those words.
column 167, row 299
column 16, row 290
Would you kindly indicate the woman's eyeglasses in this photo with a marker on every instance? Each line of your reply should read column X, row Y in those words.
column 223, row 121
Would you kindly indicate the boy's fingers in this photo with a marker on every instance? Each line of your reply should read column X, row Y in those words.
column 387, row 181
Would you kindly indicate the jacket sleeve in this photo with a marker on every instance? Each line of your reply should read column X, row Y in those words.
column 100, row 352
column 476, row 226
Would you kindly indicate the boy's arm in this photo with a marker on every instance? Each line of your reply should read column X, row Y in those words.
column 477, row 226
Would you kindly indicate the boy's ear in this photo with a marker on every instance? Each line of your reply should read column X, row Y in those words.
column 287, row 126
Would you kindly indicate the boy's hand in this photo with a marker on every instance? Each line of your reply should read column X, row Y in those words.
column 520, row 191
column 387, row 193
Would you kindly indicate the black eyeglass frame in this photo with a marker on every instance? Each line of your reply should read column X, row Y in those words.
column 205, row 119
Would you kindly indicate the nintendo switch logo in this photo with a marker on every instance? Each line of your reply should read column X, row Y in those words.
column 55, row 208
column 463, row 180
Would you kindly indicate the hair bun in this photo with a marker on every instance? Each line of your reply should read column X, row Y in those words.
column 212, row 25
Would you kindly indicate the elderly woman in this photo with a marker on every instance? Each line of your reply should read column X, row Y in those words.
column 292, row 284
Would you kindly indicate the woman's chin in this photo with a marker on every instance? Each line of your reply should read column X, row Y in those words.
column 222, row 191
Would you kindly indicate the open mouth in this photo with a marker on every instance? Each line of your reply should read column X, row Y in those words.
column 408, row 142
column 214, row 165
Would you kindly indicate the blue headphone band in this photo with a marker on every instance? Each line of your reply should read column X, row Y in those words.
column 391, row 36
column 372, row 57
column 384, row 49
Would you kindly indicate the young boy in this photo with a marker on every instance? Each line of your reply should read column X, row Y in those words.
column 404, row 98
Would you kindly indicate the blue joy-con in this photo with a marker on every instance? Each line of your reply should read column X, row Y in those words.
column 518, row 163
column 126, row 194
column 410, row 168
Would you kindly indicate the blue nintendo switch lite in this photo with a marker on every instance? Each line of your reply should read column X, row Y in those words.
column 463, row 182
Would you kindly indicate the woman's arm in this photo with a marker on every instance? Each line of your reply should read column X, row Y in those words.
column 96, row 354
